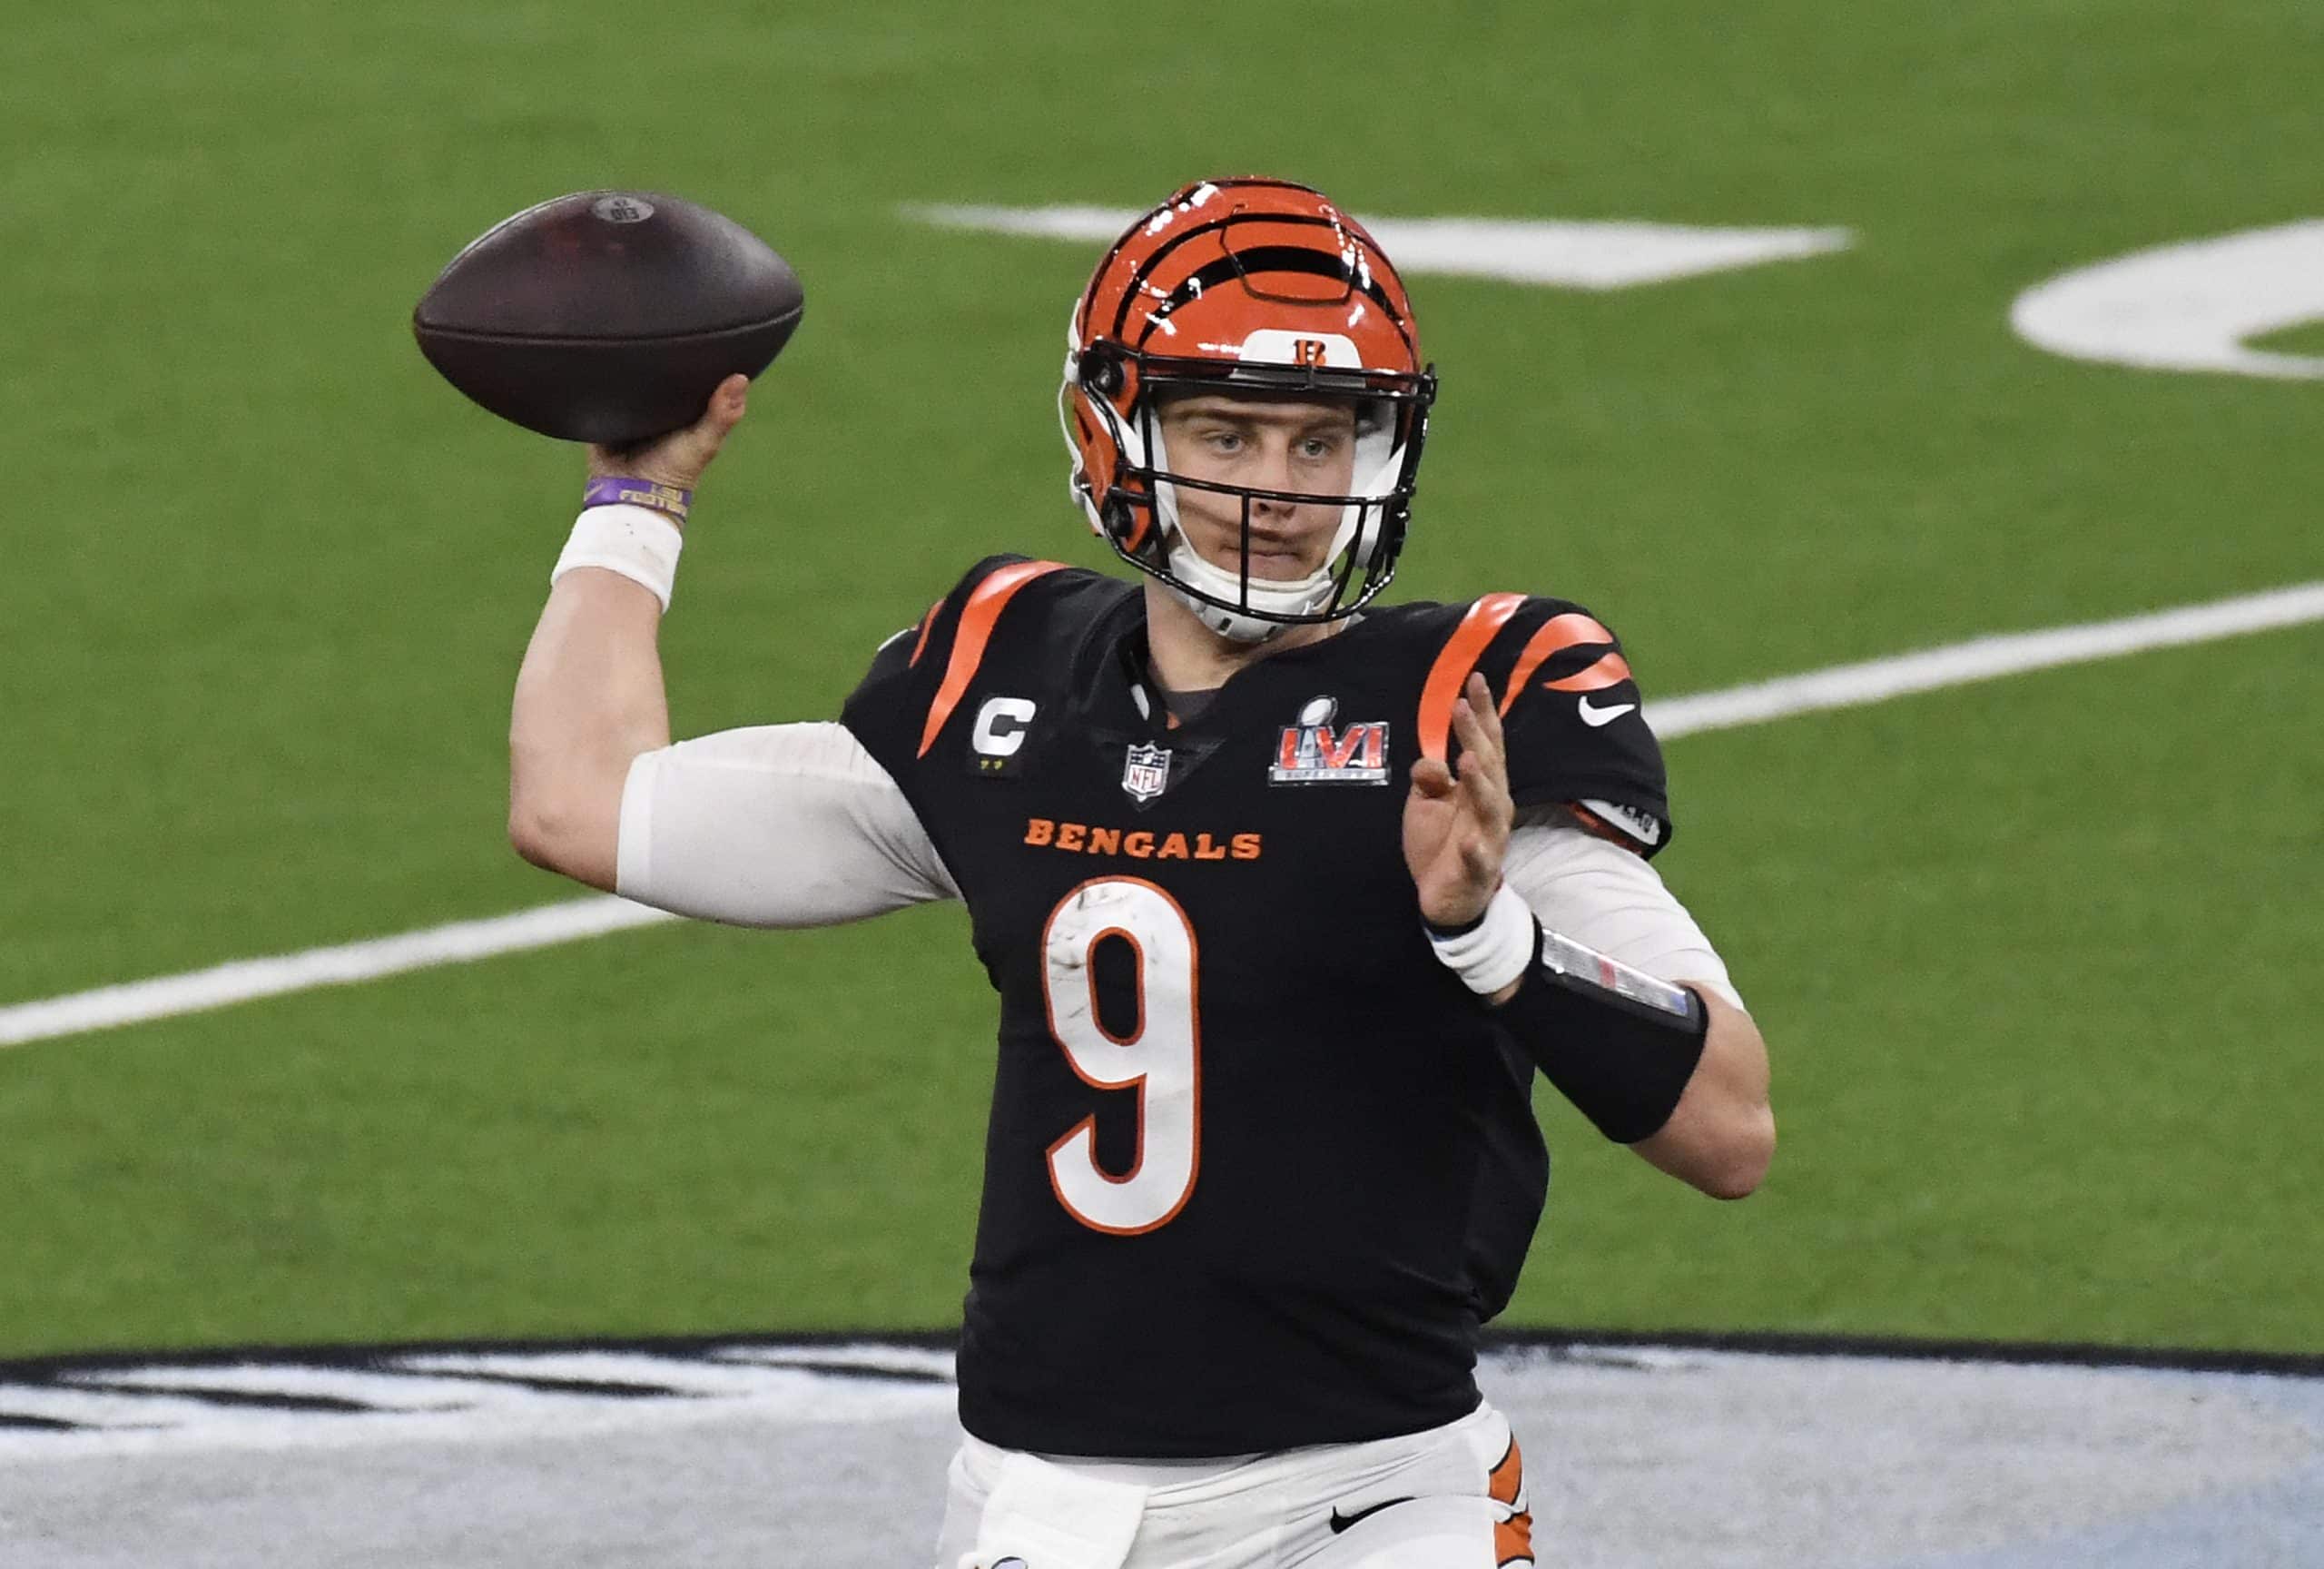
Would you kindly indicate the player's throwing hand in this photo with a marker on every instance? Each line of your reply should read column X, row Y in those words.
column 1456, row 829
column 679, row 458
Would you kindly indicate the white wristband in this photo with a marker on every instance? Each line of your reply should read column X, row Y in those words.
column 1496, row 950
column 637, row 542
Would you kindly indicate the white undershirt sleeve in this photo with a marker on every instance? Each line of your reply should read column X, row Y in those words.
column 1607, row 898
column 776, row 825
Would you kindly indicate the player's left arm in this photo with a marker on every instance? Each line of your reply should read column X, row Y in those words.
column 1677, row 1071
column 1720, row 1137
column 1603, row 897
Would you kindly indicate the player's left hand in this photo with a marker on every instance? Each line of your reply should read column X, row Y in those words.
column 1456, row 829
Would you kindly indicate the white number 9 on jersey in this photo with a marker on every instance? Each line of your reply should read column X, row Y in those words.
column 1160, row 1058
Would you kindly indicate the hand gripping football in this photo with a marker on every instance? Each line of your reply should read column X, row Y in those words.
column 608, row 316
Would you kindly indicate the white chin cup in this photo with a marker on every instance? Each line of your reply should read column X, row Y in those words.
column 1268, row 599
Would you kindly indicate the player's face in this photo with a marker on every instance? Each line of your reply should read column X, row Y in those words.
column 1265, row 444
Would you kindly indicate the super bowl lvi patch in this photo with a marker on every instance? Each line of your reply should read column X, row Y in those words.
column 1313, row 751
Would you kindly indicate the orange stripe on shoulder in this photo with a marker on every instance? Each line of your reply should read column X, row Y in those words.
column 927, row 625
column 986, row 601
column 1558, row 632
column 1459, row 656
column 1611, row 670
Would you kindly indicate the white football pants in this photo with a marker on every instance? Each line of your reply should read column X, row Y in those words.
column 1451, row 1497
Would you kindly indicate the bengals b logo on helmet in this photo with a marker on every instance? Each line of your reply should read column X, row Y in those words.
column 1246, row 285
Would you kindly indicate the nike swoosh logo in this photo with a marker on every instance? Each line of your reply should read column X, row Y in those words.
column 1341, row 1522
column 1593, row 717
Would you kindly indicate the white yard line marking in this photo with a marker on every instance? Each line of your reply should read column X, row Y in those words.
column 1984, row 659
column 222, row 986
column 1558, row 253
column 1842, row 686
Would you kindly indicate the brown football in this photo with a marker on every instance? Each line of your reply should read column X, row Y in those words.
column 608, row 316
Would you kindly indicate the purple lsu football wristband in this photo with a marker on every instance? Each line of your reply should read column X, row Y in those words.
column 613, row 490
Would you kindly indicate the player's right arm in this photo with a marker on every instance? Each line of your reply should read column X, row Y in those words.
column 588, row 703
column 774, row 826
column 589, row 697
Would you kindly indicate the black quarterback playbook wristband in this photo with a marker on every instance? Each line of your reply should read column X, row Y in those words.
column 1620, row 1044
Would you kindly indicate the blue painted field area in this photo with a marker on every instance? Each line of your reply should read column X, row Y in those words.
column 756, row 1451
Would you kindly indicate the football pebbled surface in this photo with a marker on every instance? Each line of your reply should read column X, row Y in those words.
column 608, row 316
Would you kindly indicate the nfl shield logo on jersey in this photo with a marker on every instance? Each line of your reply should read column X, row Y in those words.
column 1146, row 772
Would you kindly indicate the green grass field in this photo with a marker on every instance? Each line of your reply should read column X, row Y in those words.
column 2036, row 958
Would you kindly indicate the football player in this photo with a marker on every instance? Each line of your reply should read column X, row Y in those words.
column 1287, row 896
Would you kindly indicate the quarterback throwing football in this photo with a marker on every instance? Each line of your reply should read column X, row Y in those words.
column 1287, row 895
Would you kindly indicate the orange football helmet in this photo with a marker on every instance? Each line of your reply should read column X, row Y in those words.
column 1244, row 284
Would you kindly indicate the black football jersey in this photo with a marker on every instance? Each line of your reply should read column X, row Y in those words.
column 1259, row 1166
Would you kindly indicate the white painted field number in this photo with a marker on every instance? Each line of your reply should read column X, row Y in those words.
column 2187, row 306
